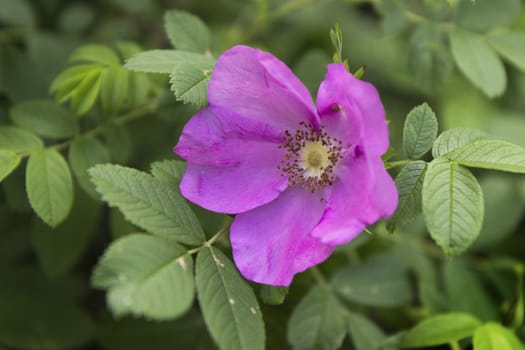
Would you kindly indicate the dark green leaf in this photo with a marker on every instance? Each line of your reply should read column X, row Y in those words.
column 486, row 14
column 365, row 334
column 44, row 118
column 452, row 205
column 420, row 131
column 190, row 83
column 146, row 276
column 147, row 202
column 17, row 13
column 381, row 281
column 84, row 153
column 409, row 182
column 114, row 85
column 441, row 329
column 169, row 171
column 273, row 295
column 478, row 62
column 49, row 186
column 228, row 304
column 317, row 322
column 453, row 139
column 186, row 31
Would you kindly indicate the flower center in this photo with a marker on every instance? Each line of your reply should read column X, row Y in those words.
column 311, row 156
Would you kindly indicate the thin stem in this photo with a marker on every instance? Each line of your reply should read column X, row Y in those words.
column 398, row 163
column 212, row 240
column 454, row 345
column 121, row 120
column 318, row 275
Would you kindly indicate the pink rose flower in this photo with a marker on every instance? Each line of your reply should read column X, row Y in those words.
column 300, row 179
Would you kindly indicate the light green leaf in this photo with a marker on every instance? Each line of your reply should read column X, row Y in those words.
column 509, row 44
column 230, row 309
column 85, row 94
column 84, row 153
column 409, row 182
column 65, row 83
column 491, row 154
column 452, row 205
column 95, row 53
column 381, row 281
column 441, row 329
column 166, row 61
column 139, row 87
column 273, row 295
column 493, row 336
column 453, row 139
column 147, row 202
column 49, row 186
column 186, row 31
column 486, row 14
column 44, row 118
column 466, row 292
column 365, row 334
column 420, row 131
column 190, row 84
column 146, row 276
column 169, row 171
column 317, row 322
column 19, row 140
column 478, row 62
column 9, row 161
column 17, row 13
column 114, row 84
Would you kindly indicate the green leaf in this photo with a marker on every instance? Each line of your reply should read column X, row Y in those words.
column 478, row 62
column 84, row 153
column 509, row 44
column 190, row 84
column 147, row 202
column 95, row 53
column 85, row 94
column 365, row 334
column 9, row 161
column 273, row 295
column 486, row 14
column 49, row 186
column 118, row 141
column 466, row 292
column 146, row 276
column 169, row 171
column 420, row 131
column 441, row 329
column 66, row 82
column 493, row 336
column 114, row 84
column 491, row 154
column 166, row 61
column 19, row 140
column 230, row 309
column 139, row 87
column 44, row 118
column 409, row 182
column 58, row 250
column 452, row 205
column 317, row 322
column 186, row 31
column 453, row 139
column 17, row 13
column 381, row 281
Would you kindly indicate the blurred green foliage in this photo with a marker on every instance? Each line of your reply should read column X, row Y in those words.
column 78, row 88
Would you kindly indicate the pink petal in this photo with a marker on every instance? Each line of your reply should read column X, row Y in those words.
column 258, row 86
column 272, row 243
column 232, row 161
column 363, row 194
column 353, row 110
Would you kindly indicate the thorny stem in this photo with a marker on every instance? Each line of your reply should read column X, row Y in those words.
column 121, row 120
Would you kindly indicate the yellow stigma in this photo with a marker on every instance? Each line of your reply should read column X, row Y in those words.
column 314, row 159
